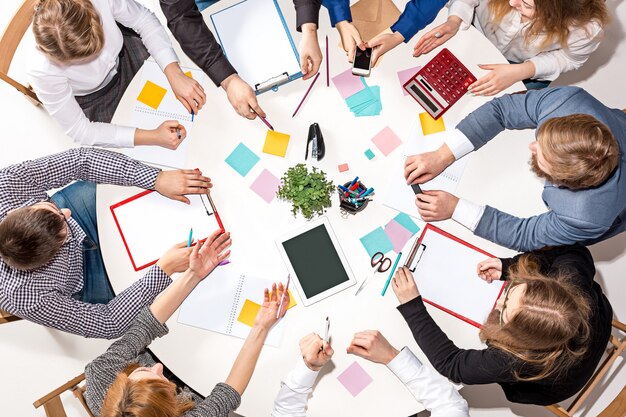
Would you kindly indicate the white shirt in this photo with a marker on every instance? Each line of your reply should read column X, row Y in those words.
column 56, row 85
column 434, row 391
column 508, row 37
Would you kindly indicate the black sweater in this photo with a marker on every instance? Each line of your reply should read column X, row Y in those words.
column 470, row 366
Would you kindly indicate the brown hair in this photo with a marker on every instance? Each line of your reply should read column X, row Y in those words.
column 67, row 30
column 581, row 151
column 31, row 236
column 550, row 330
column 553, row 18
column 144, row 398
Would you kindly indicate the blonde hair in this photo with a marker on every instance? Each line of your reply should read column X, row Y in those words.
column 553, row 18
column 581, row 151
column 144, row 398
column 550, row 330
column 67, row 30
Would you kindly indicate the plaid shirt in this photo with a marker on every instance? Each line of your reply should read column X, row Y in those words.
column 44, row 295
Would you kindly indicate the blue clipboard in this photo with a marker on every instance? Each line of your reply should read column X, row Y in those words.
column 256, row 40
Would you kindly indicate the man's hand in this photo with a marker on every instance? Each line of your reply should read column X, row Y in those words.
column 241, row 97
column 187, row 90
column 490, row 269
column 425, row 166
column 310, row 53
column 206, row 255
column 266, row 317
column 312, row 353
column 403, row 285
column 175, row 184
column 350, row 39
column 176, row 259
column 165, row 136
column 501, row 77
column 383, row 43
column 437, row 36
column 436, row 205
column 372, row 345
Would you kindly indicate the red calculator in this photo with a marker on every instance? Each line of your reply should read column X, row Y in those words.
column 440, row 83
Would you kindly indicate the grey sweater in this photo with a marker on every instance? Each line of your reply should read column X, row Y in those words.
column 130, row 348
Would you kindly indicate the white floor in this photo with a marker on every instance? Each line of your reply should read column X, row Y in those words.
column 35, row 360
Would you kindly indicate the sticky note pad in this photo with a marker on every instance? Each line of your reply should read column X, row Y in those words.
column 188, row 74
column 405, row 75
column 276, row 143
column 266, row 185
column 430, row 125
column 151, row 94
column 406, row 222
column 397, row 234
column 242, row 159
column 347, row 84
column 370, row 155
column 248, row 312
column 292, row 300
column 355, row 379
column 376, row 241
column 386, row 141
column 343, row 167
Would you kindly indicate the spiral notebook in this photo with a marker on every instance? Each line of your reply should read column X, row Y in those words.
column 225, row 301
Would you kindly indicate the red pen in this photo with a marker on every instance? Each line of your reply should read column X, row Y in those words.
column 263, row 120
column 217, row 216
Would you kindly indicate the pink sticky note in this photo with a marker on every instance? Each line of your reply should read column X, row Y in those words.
column 266, row 185
column 386, row 140
column 347, row 84
column 397, row 234
column 405, row 75
column 343, row 167
column 355, row 379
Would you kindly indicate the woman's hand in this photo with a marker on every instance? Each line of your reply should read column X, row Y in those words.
column 350, row 38
column 437, row 36
column 176, row 259
column 187, row 90
column 206, row 255
column 383, row 43
column 315, row 352
column 501, row 77
column 490, row 269
column 403, row 285
column 266, row 317
column 373, row 346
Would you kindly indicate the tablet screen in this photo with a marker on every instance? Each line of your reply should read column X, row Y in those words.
column 315, row 261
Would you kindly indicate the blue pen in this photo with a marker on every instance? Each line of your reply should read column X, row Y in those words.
column 366, row 192
column 393, row 269
column 190, row 238
column 346, row 191
column 353, row 181
column 192, row 115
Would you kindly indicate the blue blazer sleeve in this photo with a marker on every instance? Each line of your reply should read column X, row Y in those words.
column 339, row 10
column 416, row 15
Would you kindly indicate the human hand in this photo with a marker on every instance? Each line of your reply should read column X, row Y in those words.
column 372, row 345
column 165, row 136
column 310, row 53
column 312, row 353
column 350, row 38
column 176, row 259
column 241, row 97
column 206, row 255
column 437, row 36
column 382, row 43
column 501, row 77
column 266, row 316
column 187, row 90
column 175, row 184
column 436, row 205
column 425, row 166
column 403, row 285
column 490, row 269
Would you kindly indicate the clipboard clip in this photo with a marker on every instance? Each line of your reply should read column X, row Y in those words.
column 417, row 251
column 271, row 83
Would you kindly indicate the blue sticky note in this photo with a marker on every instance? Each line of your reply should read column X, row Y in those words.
column 370, row 155
column 360, row 98
column 376, row 241
column 242, row 159
column 406, row 222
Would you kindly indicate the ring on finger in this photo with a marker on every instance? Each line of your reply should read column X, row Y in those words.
column 437, row 35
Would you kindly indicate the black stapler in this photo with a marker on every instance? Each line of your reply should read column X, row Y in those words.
column 317, row 146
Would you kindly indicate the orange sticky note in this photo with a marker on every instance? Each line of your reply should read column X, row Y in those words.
column 430, row 125
column 248, row 312
column 276, row 143
column 343, row 167
column 188, row 74
column 151, row 95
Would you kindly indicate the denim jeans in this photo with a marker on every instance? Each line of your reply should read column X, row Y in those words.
column 203, row 4
column 80, row 198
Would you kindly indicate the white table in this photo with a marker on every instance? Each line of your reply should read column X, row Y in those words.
column 497, row 175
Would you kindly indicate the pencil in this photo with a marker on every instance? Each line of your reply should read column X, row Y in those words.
column 305, row 95
column 263, row 119
column 327, row 65
column 393, row 269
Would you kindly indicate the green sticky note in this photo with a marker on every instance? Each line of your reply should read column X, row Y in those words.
column 376, row 241
column 242, row 159
column 370, row 155
column 406, row 222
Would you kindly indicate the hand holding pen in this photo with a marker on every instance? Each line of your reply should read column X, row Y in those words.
column 315, row 352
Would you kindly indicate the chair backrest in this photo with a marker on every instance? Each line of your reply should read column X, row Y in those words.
column 9, row 42
column 52, row 404
column 617, row 408
column 6, row 317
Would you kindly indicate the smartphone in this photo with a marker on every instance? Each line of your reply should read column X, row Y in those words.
column 416, row 188
column 362, row 62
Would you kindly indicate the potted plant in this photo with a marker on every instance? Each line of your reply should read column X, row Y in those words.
column 308, row 191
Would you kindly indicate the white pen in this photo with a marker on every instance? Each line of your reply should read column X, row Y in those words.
column 282, row 297
column 326, row 333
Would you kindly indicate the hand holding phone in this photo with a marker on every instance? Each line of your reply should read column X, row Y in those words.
column 362, row 62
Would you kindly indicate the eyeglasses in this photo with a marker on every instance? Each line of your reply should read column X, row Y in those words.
column 506, row 298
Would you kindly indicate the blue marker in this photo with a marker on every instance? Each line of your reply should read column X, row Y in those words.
column 393, row 269
column 353, row 181
column 192, row 115
column 190, row 238
column 366, row 192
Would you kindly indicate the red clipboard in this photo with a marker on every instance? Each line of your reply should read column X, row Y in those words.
column 433, row 229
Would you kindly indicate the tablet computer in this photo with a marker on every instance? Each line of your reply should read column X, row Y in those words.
column 315, row 260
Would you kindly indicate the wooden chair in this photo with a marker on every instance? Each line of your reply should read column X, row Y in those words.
column 617, row 408
column 6, row 317
column 52, row 404
column 9, row 42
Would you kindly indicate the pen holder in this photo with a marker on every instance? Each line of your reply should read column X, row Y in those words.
column 351, row 206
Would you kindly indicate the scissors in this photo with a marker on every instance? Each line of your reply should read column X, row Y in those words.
column 380, row 263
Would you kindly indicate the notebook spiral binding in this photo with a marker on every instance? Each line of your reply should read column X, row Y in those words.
column 233, row 312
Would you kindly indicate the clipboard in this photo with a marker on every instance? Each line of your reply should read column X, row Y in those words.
column 274, row 59
column 444, row 268
column 150, row 224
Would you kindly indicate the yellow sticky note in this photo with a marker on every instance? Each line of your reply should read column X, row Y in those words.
column 248, row 312
column 188, row 74
column 276, row 143
column 151, row 94
column 430, row 125
column 292, row 300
